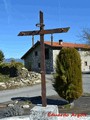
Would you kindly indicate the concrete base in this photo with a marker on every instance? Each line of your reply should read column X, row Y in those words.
column 44, row 113
column 17, row 118
column 50, row 112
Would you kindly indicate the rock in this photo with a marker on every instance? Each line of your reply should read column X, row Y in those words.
column 38, row 81
column 3, row 105
column 12, row 111
column 72, row 104
column 16, row 101
column 10, row 105
column 28, row 75
column 3, row 85
column 25, row 106
column 21, row 83
column 24, row 78
column 24, row 69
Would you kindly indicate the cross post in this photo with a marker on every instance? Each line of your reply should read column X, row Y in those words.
column 41, row 32
column 43, row 81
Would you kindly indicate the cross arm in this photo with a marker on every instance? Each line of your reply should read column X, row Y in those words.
column 48, row 31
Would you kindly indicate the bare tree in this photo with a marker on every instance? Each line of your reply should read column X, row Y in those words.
column 85, row 35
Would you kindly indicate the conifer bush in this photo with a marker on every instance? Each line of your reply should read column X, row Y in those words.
column 68, row 76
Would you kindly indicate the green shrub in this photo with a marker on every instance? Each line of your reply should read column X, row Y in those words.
column 4, row 68
column 4, row 78
column 10, row 69
column 16, row 65
column 68, row 77
column 14, row 68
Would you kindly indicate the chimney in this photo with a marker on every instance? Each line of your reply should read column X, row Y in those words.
column 60, row 42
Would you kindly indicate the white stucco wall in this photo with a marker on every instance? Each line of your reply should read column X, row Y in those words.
column 84, row 58
column 55, row 53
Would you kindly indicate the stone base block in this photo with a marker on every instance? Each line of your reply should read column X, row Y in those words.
column 17, row 118
column 44, row 113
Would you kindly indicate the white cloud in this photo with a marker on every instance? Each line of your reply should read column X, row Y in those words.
column 7, row 10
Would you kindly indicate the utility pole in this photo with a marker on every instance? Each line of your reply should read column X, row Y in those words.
column 42, row 32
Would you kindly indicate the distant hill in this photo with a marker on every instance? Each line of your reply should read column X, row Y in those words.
column 8, row 60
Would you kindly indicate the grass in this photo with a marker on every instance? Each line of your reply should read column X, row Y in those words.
column 4, row 78
column 67, row 106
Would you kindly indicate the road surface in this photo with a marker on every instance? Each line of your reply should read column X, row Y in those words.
column 35, row 90
column 29, row 91
column 86, row 83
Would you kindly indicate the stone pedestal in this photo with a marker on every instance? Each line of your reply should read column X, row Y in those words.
column 17, row 118
column 44, row 113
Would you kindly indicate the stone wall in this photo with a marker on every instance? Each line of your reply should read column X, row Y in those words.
column 33, row 60
column 49, row 62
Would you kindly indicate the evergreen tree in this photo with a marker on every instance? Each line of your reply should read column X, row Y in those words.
column 68, row 77
column 1, row 56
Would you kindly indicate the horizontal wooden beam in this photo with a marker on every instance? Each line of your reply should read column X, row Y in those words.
column 48, row 31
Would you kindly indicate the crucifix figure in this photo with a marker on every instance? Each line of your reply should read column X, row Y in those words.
column 42, row 32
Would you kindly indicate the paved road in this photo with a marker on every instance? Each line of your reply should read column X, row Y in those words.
column 35, row 90
column 86, row 83
column 29, row 91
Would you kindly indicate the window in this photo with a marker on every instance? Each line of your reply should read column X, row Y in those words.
column 85, row 63
column 46, row 53
column 39, row 65
column 36, row 53
column 89, row 67
column 79, row 49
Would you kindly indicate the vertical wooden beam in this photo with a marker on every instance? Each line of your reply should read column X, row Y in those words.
column 51, row 39
column 43, row 81
column 32, row 40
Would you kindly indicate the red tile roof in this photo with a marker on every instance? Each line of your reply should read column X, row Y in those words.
column 57, row 45
column 65, row 44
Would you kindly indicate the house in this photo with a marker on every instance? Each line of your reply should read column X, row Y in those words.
column 32, row 56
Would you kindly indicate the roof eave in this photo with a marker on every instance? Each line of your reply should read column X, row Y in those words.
column 36, row 44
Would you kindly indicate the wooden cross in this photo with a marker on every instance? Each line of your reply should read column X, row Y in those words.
column 42, row 32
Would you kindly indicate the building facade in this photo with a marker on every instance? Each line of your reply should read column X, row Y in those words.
column 33, row 56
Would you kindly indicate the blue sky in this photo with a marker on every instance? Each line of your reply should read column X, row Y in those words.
column 22, row 15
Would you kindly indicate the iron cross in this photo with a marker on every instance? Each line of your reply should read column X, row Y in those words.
column 42, row 32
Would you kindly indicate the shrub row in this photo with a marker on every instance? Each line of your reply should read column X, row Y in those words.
column 10, row 68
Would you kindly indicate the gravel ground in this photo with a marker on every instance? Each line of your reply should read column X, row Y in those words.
column 81, row 105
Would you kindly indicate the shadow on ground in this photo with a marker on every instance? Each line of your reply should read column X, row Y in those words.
column 38, row 100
